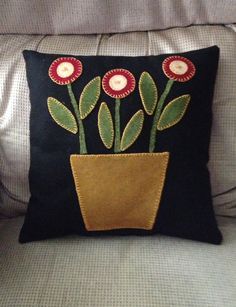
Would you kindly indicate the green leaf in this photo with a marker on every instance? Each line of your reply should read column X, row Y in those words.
column 105, row 125
column 89, row 97
column 62, row 115
column 173, row 112
column 148, row 92
column 132, row 130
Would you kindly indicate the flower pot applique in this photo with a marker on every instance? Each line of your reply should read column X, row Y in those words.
column 111, row 192
column 119, row 190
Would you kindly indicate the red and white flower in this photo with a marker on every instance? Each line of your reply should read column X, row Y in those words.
column 118, row 83
column 178, row 68
column 65, row 70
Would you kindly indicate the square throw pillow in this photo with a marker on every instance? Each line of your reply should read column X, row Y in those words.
column 119, row 145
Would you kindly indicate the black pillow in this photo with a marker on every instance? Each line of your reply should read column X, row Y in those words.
column 119, row 145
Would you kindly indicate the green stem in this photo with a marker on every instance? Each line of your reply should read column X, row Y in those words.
column 117, row 126
column 83, row 147
column 157, row 115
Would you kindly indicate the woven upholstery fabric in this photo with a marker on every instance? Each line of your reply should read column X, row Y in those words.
column 14, row 122
column 126, row 271
column 96, row 16
column 15, row 105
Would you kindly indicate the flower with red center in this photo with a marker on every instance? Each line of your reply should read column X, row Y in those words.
column 65, row 70
column 118, row 83
column 178, row 68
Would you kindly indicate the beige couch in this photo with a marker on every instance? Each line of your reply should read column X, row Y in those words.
column 131, row 271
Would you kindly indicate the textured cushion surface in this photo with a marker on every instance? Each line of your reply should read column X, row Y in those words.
column 15, row 106
column 96, row 16
column 130, row 271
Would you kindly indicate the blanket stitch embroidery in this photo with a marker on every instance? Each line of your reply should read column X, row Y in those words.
column 119, row 83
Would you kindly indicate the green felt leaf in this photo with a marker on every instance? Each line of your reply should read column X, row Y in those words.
column 132, row 130
column 89, row 97
column 148, row 92
column 173, row 112
column 62, row 115
column 105, row 125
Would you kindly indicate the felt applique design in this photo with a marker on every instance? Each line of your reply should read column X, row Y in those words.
column 106, row 201
column 176, row 68
column 89, row 97
column 173, row 112
column 148, row 92
column 84, row 182
column 132, row 130
column 118, row 83
column 105, row 125
column 62, row 115
column 118, row 191
column 64, row 71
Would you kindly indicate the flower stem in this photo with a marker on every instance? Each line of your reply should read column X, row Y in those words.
column 83, row 147
column 117, row 126
column 157, row 115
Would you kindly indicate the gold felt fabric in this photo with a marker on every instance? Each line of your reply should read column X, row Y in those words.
column 119, row 190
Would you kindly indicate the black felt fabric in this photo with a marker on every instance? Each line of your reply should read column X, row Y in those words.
column 186, row 206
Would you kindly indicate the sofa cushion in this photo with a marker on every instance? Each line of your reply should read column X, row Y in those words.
column 15, row 106
column 128, row 135
column 95, row 16
column 118, row 271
